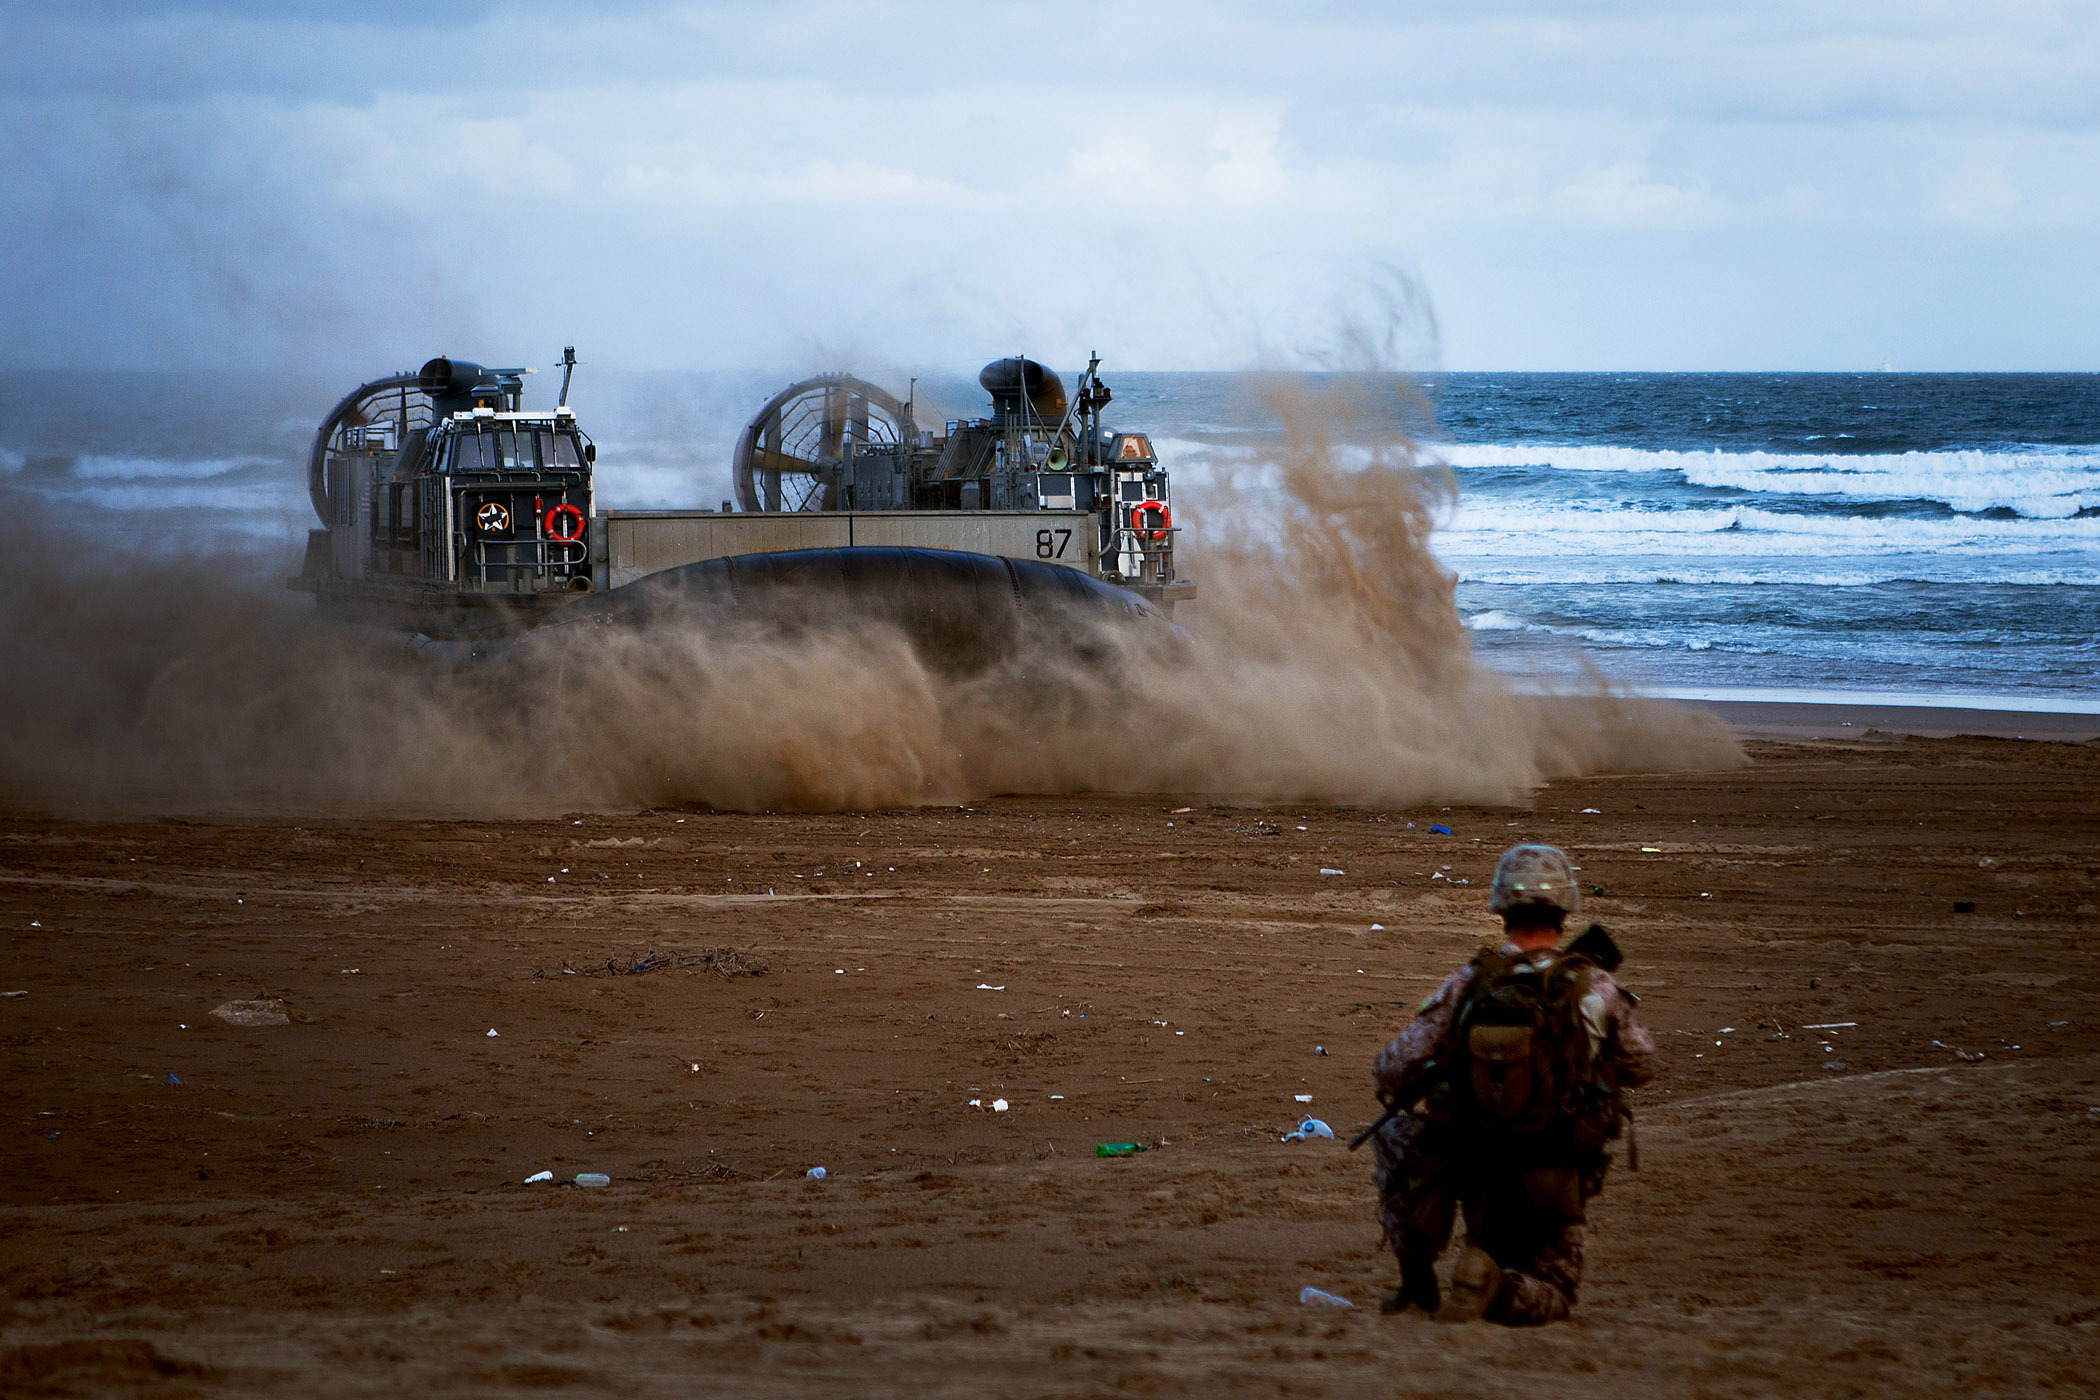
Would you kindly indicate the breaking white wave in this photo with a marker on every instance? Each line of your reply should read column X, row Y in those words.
column 246, row 506
column 1496, row 542
column 2038, row 484
column 1675, row 639
column 1638, row 534
column 701, row 481
column 162, row 468
column 1708, row 530
column 1650, row 569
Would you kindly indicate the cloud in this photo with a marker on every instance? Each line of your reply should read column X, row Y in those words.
column 1181, row 184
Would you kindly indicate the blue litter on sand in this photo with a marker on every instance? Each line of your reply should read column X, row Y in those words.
column 172, row 1079
column 1440, row 831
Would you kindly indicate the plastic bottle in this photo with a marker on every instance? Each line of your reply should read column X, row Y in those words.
column 593, row 1179
column 1118, row 1149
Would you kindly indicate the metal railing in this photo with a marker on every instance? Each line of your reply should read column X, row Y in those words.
column 528, row 561
column 1155, row 553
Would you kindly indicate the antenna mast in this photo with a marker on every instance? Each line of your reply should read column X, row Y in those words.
column 568, row 367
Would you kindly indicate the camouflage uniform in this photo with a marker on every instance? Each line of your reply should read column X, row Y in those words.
column 1526, row 1211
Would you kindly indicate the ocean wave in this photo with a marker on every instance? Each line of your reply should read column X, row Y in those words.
column 1725, row 639
column 2011, row 650
column 1481, row 521
column 169, row 469
column 699, row 483
column 244, row 505
column 2039, row 483
column 1675, row 569
column 2036, row 484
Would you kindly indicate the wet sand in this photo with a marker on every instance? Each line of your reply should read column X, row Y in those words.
column 1898, row 1204
column 1793, row 720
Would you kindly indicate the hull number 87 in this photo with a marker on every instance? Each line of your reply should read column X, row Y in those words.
column 1050, row 544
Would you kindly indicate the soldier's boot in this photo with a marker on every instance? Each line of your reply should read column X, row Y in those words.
column 1417, row 1289
column 1477, row 1284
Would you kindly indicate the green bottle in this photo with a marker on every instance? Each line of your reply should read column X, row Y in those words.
column 1118, row 1149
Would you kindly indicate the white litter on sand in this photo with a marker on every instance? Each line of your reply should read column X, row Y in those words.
column 265, row 1011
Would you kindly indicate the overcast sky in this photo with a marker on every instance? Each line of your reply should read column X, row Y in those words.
column 1763, row 184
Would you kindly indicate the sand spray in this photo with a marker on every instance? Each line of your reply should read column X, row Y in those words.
column 1325, row 661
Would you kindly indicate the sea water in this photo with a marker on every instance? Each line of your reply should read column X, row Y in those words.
column 1911, row 535
column 1902, row 534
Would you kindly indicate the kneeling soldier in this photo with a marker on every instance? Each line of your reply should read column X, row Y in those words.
column 1519, row 1061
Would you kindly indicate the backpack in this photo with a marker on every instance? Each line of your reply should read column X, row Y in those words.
column 1522, row 1060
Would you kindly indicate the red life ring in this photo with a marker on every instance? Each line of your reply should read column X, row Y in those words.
column 556, row 513
column 1137, row 519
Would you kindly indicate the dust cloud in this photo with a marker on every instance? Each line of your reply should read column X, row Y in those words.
column 202, row 686
column 1325, row 661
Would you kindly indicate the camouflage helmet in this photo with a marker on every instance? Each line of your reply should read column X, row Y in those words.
column 1534, row 874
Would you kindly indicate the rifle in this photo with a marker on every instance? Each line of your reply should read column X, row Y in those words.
column 1399, row 1104
column 1594, row 943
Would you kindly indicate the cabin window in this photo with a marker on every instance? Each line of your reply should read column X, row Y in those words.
column 470, row 453
column 559, row 450
column 517, row 450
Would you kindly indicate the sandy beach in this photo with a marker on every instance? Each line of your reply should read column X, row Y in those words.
column 1834, row 719
column 1867, row 1166
column 751, row 699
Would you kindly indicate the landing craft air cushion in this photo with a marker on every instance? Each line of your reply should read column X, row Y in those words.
column 450, row 511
